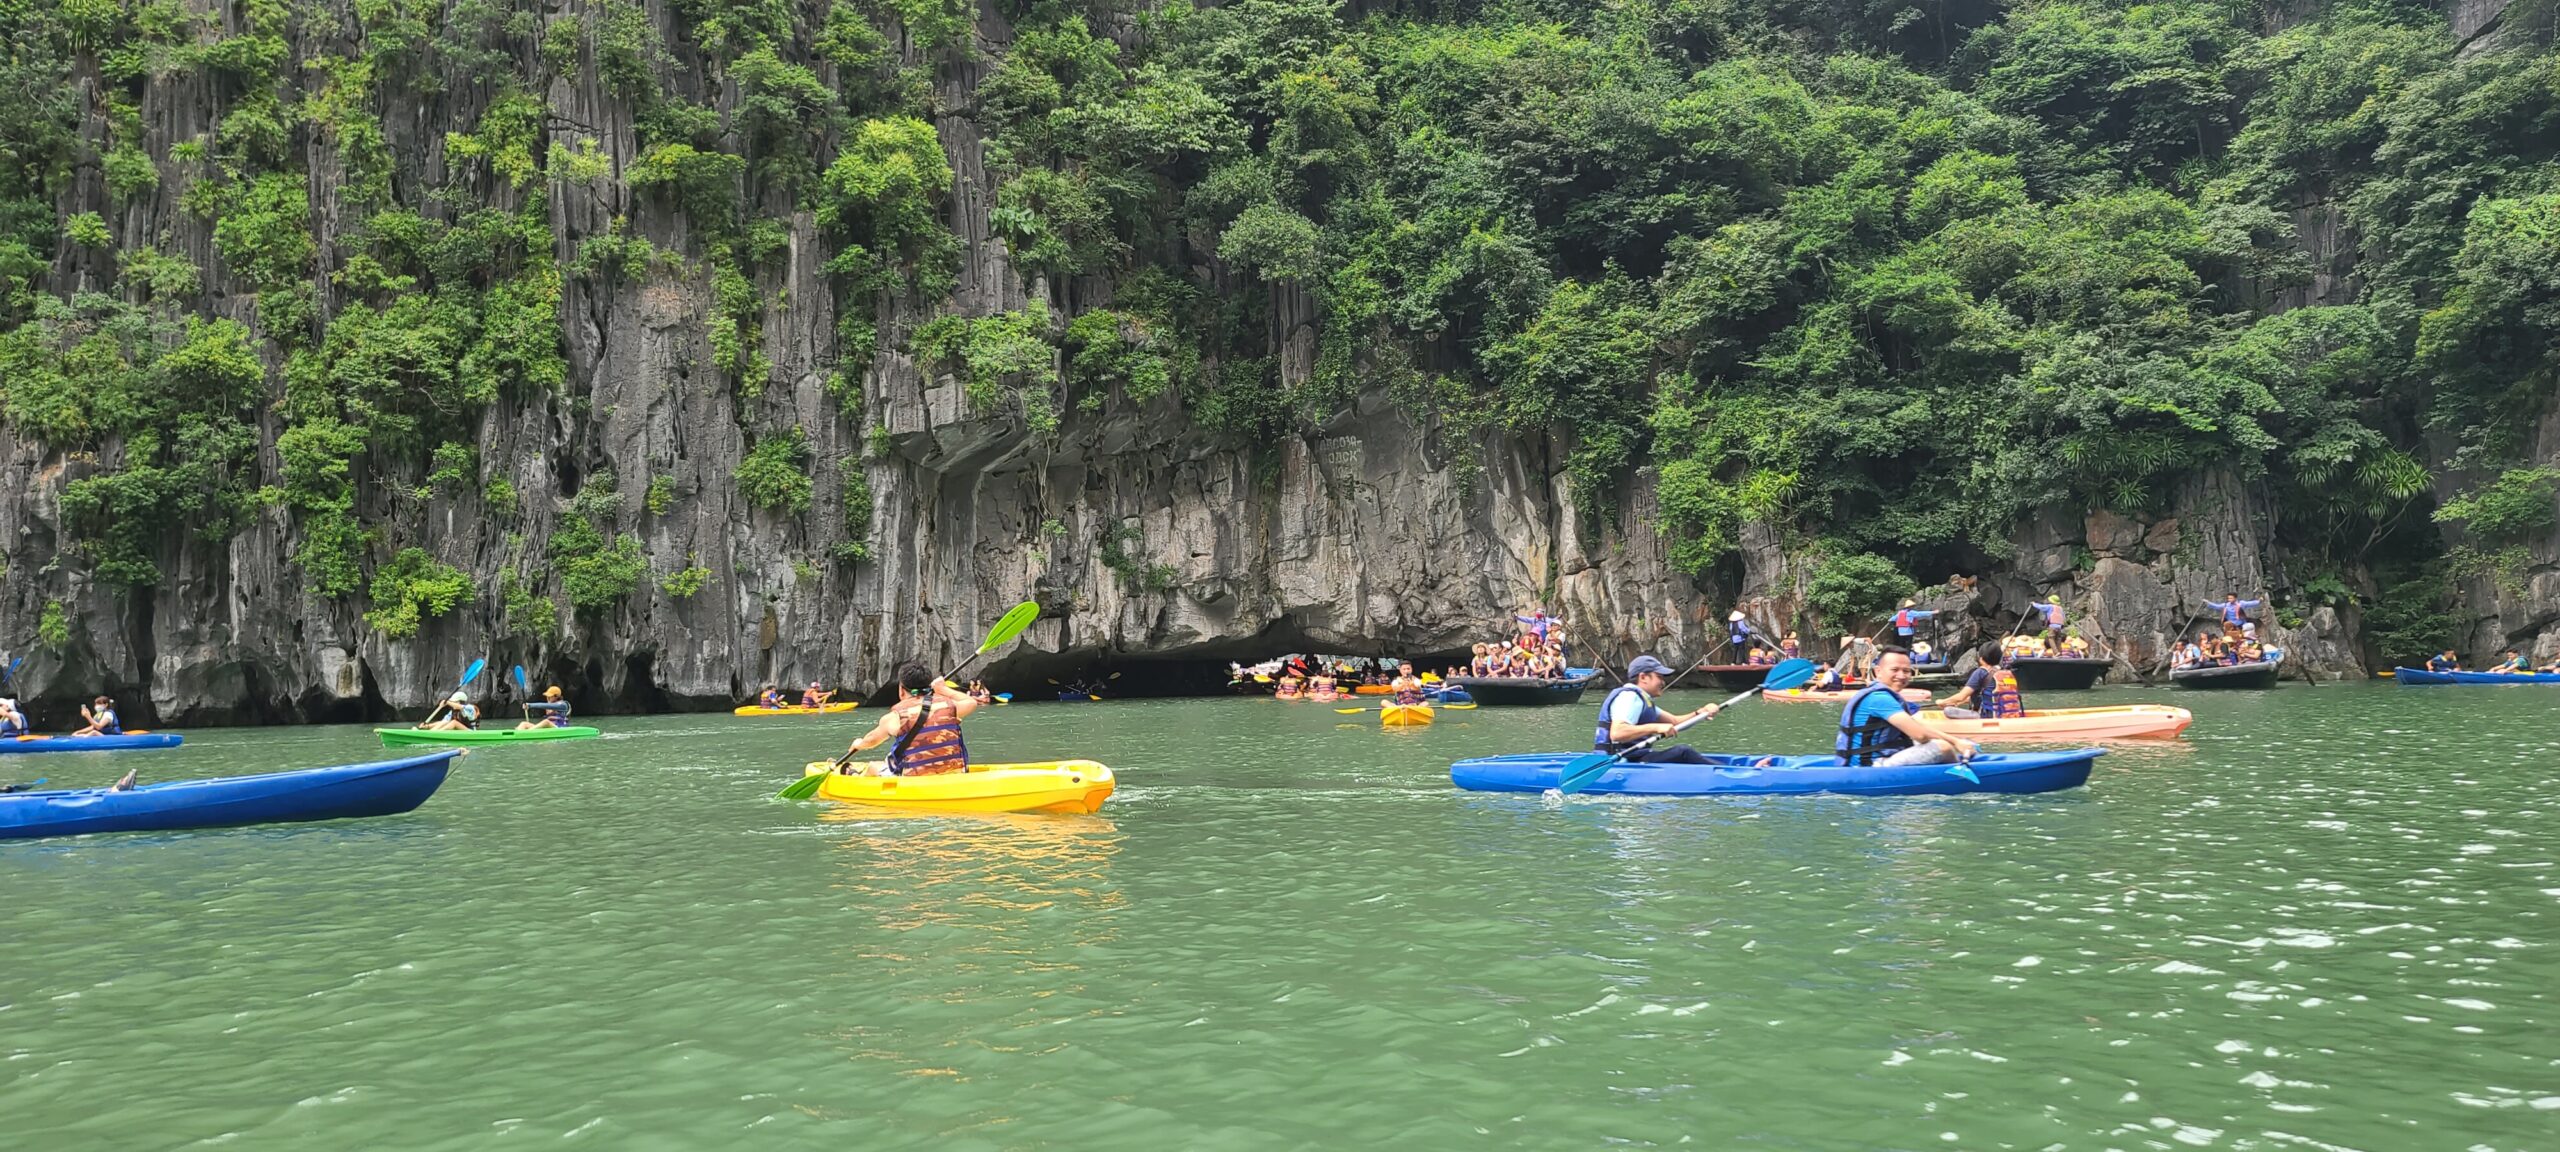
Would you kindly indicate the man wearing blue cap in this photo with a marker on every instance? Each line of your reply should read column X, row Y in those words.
column 1627, row 717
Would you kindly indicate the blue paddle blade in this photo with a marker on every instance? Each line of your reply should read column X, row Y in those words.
column 522, row 685
column 1578, row 773
column 1789, row 674
column 473, row 672
column 1967, row 773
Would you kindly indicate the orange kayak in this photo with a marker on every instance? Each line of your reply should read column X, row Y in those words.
column 1841, row 696
column 2123, row 722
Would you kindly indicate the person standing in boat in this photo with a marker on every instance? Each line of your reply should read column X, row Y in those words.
column 2051, row 611
column 2235, row 611
column 1904, row 618
column 1628, row 717
column 1738, row 632
column 1990, row 691
column 924, row 724
column 554, row 709
column 1878, row 728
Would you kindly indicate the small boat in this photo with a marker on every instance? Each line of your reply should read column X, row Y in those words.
column 2258, row 674
column 1403, row 715
column 1077, row 697
column 2012, row 772
column 1734, row 677
column 2059, row 673
column 2123, row 722
column 394, row 737
column 1056, row 786
column 2422, row 676
column 829, row 708
column 1492, row 690
column 137, row 738
column 377, row 789
column 1833, row 695
column 1442, row 694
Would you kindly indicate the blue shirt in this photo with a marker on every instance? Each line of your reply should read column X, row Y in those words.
column 1877, row 706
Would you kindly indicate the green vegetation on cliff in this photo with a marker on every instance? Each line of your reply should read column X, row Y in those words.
column 1888, row 278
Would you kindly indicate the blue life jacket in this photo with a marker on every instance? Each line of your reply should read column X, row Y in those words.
column 1600, row 741
column 555, row 714
column 2440, row 664
column 108, row 724
column 1862, row 744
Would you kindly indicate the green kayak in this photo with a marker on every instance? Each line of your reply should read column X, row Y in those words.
column 394, row 737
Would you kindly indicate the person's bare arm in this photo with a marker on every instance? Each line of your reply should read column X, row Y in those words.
column 962, row 703
column 1920, row 731
column 887, row 729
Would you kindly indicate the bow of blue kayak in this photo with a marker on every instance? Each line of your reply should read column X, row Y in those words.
column 2010, row 772
column 377, row 789
column 91, row 743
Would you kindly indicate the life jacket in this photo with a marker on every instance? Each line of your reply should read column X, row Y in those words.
column 555, row 713
column 1863, row 744
column 1902, row 621
column 2004, row 701
column 1600, row 741
column 469, row 714
column 812, row 700
column 770, row 700
column 108, row 725
column 931, row 745
column 1790, row 648
column 1408, row 694
column 2440, row 664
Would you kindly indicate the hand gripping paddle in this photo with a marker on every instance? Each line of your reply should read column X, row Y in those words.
column 1579, row 772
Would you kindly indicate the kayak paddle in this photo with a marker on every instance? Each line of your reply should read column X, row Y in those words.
column 1579, row 772
column 524, row 692
column 1010, row 626
column 11, row 676
column 468, row 675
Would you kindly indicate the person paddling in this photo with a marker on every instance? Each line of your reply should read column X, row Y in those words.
column 1990, row 691
column 101, row 716
column 1628, row 716
column 458, row 714
column 1406, row 687
column 554, row 709
column 1880, row 729
column 925, row 725
column 13, row 722
column 813, row 698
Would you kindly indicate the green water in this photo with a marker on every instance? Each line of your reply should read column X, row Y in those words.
column 2324, row 920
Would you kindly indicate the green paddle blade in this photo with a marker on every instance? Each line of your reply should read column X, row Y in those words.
column 802, row 788
column 1011, row 625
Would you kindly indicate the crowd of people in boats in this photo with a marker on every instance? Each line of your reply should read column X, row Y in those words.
column 2234, row 643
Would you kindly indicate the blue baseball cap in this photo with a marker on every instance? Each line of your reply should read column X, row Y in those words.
column 1644, row 664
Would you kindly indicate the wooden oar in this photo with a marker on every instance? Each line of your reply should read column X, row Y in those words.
column 1010, row 626
column 1579, row 772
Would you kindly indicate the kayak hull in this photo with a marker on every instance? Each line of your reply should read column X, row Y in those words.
column 382, row 788
column 1371, row 690
column 1525, row 690
column 396, row 737
column 128, row 741
column 1403, row 715
column 2259, row 674
column 1735, row 677
column 2059, row 673
column 1062, row 786
column 2009, row 772
column 1441, row 694
column 828, row 709
column 2129, row 722
column 2422, row 676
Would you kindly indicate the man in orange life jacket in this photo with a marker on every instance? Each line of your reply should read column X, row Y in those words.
column 1989, row 693
column 924, row 723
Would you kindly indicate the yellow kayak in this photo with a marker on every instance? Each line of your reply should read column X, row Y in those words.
column 794, row 709
column 1403, row 715
column 1057, row 786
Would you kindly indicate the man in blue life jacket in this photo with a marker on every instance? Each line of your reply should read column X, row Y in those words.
column 1907, row 616
column 2448, row 662
column 1990, row 692
column 2512, row 664
column 1880, row 729
column 1628, row 717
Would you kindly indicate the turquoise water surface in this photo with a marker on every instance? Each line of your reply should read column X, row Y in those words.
column 2325, row 919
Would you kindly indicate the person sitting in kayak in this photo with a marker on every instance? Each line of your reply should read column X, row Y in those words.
column 978, row 692
column 1407, row 687
column 13, row 720
column 2448, row 662
column 459, row 714
column 2511, row 665
column 1628, row 716
column 812, row 697
column 1990, row 691
column 101, row 716
column 771, row 698
column 1907, row 616
column 554, row 709
column 925, row 725
column 1880, row 729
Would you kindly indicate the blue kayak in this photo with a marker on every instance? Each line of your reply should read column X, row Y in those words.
column 90, row 743
column 2422, row 676
column 1441, row 694
column 377, row 789
column 1789, row 776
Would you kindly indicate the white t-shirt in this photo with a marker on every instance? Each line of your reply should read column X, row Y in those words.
column 1628, row 707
